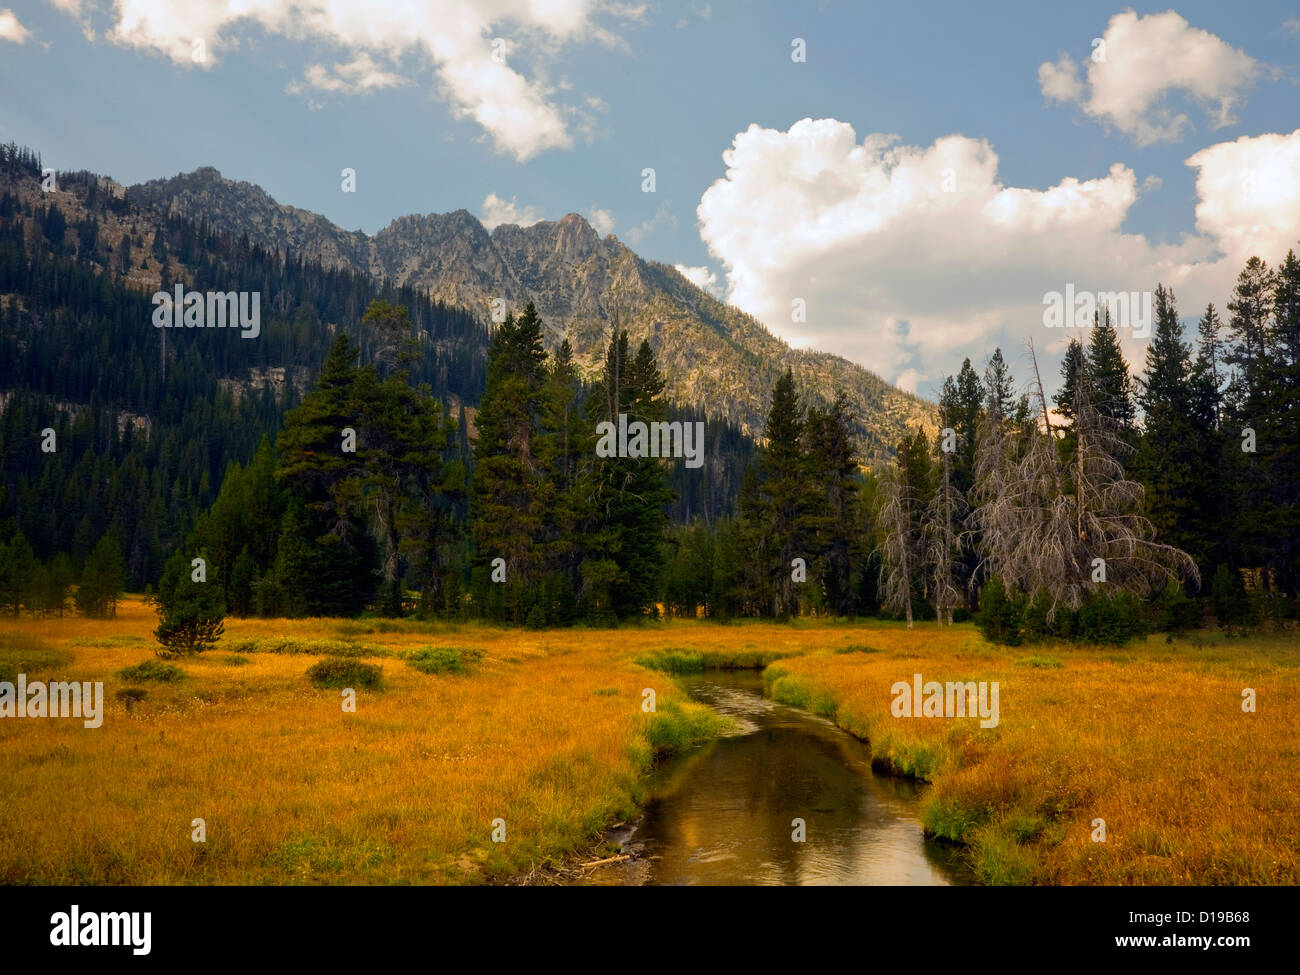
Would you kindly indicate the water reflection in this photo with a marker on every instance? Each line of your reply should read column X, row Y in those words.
column 723, row 813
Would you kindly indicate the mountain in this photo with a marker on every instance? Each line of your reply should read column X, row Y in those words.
column 718, row 360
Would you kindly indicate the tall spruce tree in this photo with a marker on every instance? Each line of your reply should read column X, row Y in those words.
column 510, row 492
column 783, row 494
column 1172, row 462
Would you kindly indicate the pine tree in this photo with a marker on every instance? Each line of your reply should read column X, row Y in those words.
column 625, row 543
column 102, row 579
column 1172, row 461
column 1110, row 386
column 191, row 613
column 1280, row 428
column 510, row 492
column 831, row 521
column 783, row 492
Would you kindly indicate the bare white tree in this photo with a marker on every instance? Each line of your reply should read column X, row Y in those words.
column 1069, row 526
column 943, row 542
column 901, row 549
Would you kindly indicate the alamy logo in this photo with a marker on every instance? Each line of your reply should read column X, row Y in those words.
column 657, row 439
column 1076, row 309
column 215, row 309
column 58, row 699
column 955, row 699
column 131, row 929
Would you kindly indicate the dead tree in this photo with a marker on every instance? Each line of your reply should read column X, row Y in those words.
column 900, row 550
column 943, row 542
column 1069, row 527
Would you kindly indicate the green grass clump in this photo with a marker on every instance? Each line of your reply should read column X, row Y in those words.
column 152, row 670
column 445, row 660
column 315, row 647
column 22, row 653
column 234, row 660
column 679, row 660
column 1038, row 662
column 338, row 672
column 676, row 727
column 800, row 693
column 673, row 661
column 857, row 648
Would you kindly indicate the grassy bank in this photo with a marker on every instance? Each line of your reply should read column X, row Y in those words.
column 463, row 725
column 1152, row 740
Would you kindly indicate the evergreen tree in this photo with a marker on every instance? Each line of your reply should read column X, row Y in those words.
column 191, row 614
column 1171, row 461
column 783, row 493
column 832, row 520
column 622, row 573
column 102, row 579
column 1109, row 383
column 510, row 492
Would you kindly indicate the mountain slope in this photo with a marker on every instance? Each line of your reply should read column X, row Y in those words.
column 717, row 359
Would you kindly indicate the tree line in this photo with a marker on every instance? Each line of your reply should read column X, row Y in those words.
column 1182, row 481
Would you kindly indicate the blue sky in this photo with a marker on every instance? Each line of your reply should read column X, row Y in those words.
column 670, row 86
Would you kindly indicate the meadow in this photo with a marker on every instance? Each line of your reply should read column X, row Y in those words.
column 465, row 729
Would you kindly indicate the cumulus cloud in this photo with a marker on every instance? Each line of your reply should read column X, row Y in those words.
column 478, row 78
column 907, row 258
column 1139, row 63
column 11, row 29
column 702, row 277
column 602, row 220
column 1249, row 195
column 497, row 211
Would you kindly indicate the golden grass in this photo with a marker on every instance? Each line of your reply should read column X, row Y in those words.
column 547, row 733
column 1151, row 739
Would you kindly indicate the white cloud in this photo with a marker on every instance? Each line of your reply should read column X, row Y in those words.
column 663, row 218
column 11, row 29
column 362, row 74
column 909, row 258
column 497, row 211
column 907, row 380
column 1249, row 193
column 602, row 220
column 701, row 13
column 703, row 277
column 1141, row 61
column 521, row 115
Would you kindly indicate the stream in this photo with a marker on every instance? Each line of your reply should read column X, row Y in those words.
column 722, row 814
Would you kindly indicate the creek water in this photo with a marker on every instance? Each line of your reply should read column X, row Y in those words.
column 723, row 813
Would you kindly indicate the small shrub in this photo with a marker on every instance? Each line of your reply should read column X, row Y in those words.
column 857, row 648
column 154, row 670
column 338, row 672
column 445, row 660
column 131, row 696
column 1038, row 662
column 22, row 653
column 315, row 647
column 234, row 660
column 999, row 614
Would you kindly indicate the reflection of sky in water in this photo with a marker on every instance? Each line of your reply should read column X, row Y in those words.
column 723, row 814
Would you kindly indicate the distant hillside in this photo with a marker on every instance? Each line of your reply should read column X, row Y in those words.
column 718, row 360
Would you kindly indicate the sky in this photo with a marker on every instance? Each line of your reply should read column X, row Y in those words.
column 903, row 184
